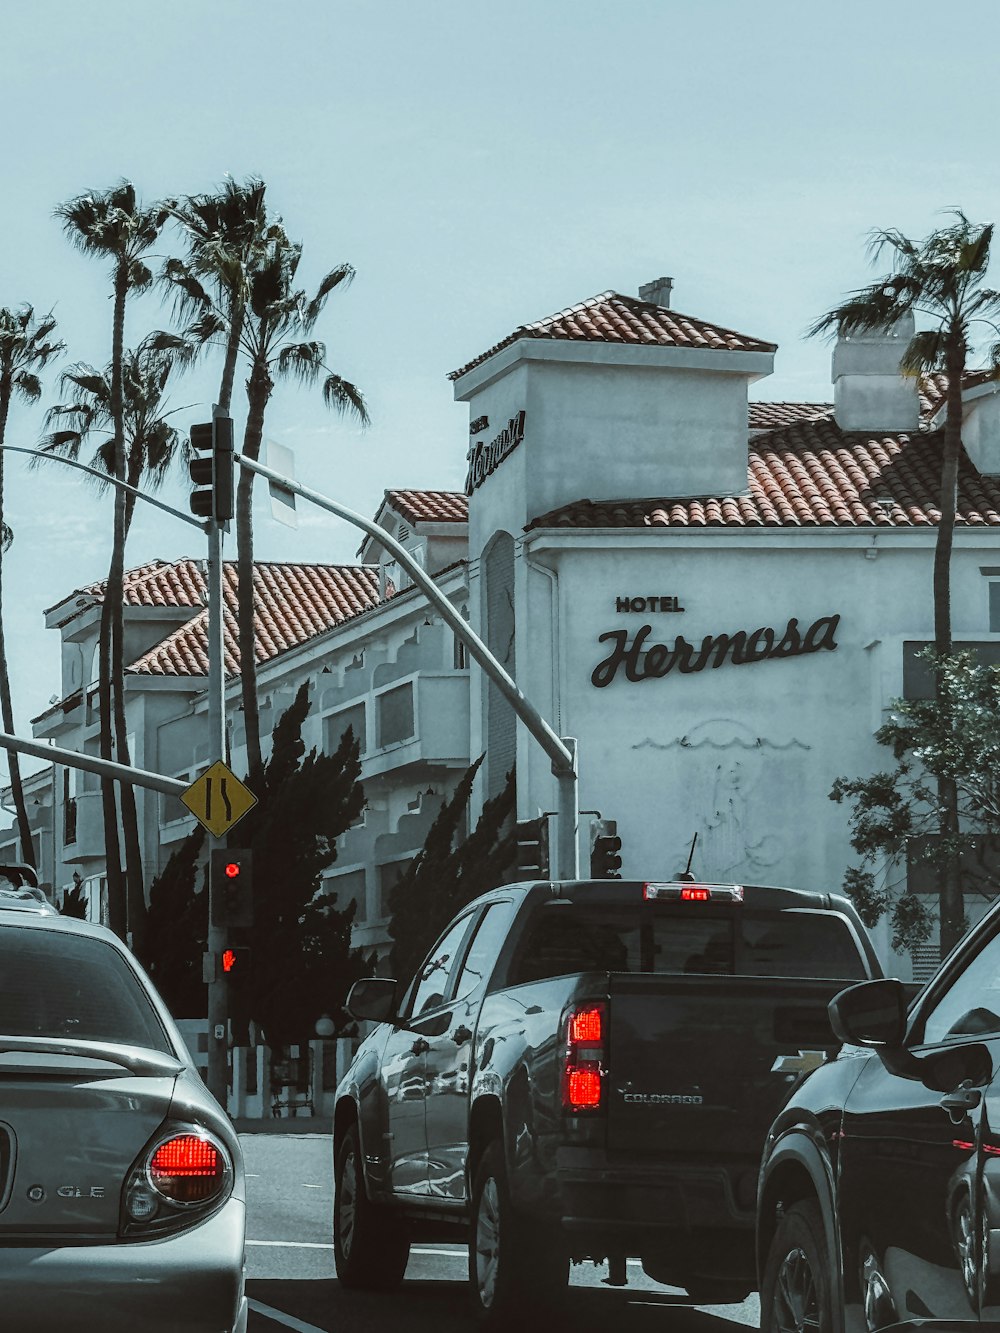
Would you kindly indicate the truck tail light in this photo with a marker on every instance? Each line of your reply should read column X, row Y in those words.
column 584, row 1071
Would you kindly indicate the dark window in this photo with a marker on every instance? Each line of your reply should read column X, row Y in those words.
column 60, row 985
column 918, row 678
column 486, row 944
column 994, row 608
column 395, row 715
column 336, row 724
column 571, row 938
column 433, row 977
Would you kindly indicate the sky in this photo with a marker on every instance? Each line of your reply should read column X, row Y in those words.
column 480, row 166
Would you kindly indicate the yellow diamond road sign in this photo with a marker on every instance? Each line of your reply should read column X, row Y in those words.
column 218, row 799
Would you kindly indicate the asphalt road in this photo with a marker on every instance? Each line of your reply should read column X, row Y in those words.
column 292, row 1285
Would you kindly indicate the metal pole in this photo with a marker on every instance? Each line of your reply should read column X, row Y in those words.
column 561, row 752
column 218, row 1009
column 105, row 768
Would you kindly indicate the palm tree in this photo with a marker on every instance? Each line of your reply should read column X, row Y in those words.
column 114, row 226
column 151, row 445
column 24, row 349
column 940, row 278
column 276, row 318
column 223, row 232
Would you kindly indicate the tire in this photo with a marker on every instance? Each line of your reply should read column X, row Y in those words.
column 370, row 1246
column 797, row 1292
column 516, row 1269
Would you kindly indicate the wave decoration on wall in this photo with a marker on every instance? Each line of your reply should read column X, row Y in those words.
column 735, row 742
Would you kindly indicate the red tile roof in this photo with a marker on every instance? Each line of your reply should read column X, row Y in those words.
column 430, row 506
column 812, row 474
column 933, row 388
column 613, row 318
column 293, row 603
column 765, row 416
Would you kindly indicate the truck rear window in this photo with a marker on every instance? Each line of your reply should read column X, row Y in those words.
column 570, row 937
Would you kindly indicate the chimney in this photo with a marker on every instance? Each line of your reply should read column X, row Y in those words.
column 658, row 291
column 869, row 393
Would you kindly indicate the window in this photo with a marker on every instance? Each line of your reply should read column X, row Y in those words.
column 389, row 876
column 971, row 1004
column 347, row 888
column 395, row 715
column 336, row 724
column 69, row 808
column 60, row 985
column 918, row 678
column 577, row 938
column 995, row 608
column 433, row 978
column 486, row 945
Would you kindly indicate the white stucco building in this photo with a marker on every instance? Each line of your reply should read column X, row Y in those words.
column 717, row 597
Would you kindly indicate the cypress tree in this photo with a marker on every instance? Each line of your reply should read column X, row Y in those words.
column 177, row 930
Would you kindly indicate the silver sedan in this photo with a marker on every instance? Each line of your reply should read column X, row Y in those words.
column 122, row 1197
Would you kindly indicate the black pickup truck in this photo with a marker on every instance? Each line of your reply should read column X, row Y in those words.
column 586, row 1070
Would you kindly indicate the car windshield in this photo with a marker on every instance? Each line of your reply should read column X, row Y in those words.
column 567, row 938
column 54, row 984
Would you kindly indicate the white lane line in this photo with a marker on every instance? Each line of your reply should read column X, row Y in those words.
column 440, row 1254
column 296, row 1244
column 311, row 1187
column 279, row 1317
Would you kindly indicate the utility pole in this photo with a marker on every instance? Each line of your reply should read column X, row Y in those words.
column 212, row 500
column 561, row 750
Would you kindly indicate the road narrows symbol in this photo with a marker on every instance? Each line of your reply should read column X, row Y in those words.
column 218, row 799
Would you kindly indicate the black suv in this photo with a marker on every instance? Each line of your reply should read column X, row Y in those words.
column 879, row 1195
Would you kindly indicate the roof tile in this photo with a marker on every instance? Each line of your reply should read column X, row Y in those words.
column 612, row 317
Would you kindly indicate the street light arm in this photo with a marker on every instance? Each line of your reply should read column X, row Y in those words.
column 563, row 761
column 105, row 768
column 108, row 479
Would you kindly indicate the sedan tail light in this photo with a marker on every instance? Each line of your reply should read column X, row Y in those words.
column 583, row 1073
column 180, row 1175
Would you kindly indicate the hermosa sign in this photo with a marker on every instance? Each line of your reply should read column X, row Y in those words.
column 642, row 662
column 486, row 458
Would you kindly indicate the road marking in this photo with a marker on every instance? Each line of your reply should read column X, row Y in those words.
column 279, row 1317
column 296, row 1244
column 311, row 1187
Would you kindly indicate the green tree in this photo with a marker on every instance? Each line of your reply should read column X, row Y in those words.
column 277, row 319
column 112, row 225
column 74, row 903
column 25, row 348
column 177, row 929
column 303, row 963
column 895, row 813
column 940, row 278
column 151, row 445
column 446, row 874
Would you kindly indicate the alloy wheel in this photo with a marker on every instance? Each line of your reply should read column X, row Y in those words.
column 796, row 1301
column 487, row 1242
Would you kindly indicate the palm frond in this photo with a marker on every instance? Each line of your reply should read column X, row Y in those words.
column 924, row 352
column 341, row 276
column 6, row 537
column 302, row 361
column 343, row 396
column 28, row 385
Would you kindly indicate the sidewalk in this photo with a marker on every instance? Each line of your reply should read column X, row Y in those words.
column 300, row 1124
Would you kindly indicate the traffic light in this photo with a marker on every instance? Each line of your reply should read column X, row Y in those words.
column 232, row 887
column 605, row 850
column 235, row 964
column 211, row 468
column 532, row 838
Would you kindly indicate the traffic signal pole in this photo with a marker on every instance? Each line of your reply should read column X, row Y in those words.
column 218, row 1015
column 561, row 750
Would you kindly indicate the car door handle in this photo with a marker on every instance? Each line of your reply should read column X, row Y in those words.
column 964, row 1098
column 420, row 1047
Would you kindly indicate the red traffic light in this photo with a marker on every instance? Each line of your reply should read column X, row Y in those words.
column 232, row 870
column 228, row 960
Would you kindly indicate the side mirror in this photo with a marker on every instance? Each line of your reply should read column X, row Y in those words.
column 870, row 1014
column 373, row 999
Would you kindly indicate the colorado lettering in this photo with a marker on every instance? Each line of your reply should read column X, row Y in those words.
column 642, row 662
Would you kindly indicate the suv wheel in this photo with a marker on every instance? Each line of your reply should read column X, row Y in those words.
column 513, row 1266
column 370, row 1246
column 797, row 1290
